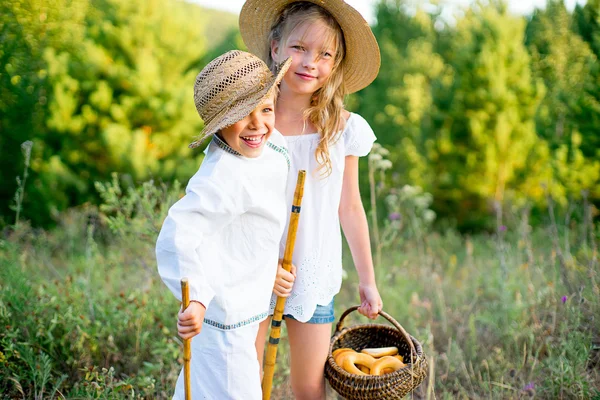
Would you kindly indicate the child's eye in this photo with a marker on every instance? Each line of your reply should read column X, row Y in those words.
column 327, row 54
column 268, row 109
column 298, row 47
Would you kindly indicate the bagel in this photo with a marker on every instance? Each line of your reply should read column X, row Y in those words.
column 386, row 362
column 352, row 359
column 381, row 351
column 338, row 356
column 340, row 350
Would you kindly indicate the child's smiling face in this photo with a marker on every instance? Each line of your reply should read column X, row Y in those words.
column 248, row 136
column 312, row 48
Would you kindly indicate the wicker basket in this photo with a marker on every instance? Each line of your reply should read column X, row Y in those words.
column 394, row 385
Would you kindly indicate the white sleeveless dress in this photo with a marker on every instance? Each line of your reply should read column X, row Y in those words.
column 318, row 246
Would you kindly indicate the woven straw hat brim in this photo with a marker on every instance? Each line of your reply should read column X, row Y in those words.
column 362, row 61
column 241, row 108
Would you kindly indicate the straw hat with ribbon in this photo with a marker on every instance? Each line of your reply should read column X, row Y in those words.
column 362, row 60
column 230, row 87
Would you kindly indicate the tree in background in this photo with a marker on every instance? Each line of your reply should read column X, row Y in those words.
column 468, row 112
column 400, row 102
column 587, row 21
column 122, row 101
column 564, row 62
column 460, row 102
column 27, row 28
column 487, row 132
column 118, row 95
column 587, row 24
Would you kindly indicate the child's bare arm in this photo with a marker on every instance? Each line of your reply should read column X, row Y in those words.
column 356, row 229
column 189, row 322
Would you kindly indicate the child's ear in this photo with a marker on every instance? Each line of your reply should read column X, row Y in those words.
column 274, row 50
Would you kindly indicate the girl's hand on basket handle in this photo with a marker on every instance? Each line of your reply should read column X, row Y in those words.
column 370, row 301
column 284, row 281
column 189, row 322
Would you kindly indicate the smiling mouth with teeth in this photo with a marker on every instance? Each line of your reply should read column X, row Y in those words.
column 253, row 141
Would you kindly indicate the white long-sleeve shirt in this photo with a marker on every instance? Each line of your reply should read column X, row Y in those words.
column 224, row 234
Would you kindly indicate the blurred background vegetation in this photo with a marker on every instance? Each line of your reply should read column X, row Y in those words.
column 482, row 192
column 489, row 109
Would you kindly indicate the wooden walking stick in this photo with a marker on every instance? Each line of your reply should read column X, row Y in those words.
column 269, row 364
column 187, row 354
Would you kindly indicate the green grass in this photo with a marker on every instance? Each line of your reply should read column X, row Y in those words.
column 83, row 313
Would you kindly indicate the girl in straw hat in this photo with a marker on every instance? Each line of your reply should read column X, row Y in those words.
column 333, row 53
column 224, row 233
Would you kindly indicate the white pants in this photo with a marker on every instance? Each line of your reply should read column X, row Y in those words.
column 224, row 365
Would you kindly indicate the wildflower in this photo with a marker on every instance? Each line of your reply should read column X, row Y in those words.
column 26, row 149
column 395, row 216
column 409, row 191
column 502, row 228
column 529, row 389
column 384, row 164
column 564, row 299
column 529, row 386
column 391, row 199
column 428, row 215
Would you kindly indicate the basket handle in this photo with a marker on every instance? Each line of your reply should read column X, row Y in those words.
column 340, row 325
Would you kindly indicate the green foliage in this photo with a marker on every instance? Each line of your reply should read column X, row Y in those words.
column 400, row 103
column 24, row 87
column 491, row 109
column 138, row 211
column 565, row 62
column 22, row 180
column 471, row 114
column 122, row 101
column 85, row 314
column 70, row 306
column 487, row 333
column 486, row 133
column 117, row 78
column 407, row 208
column 587, row 22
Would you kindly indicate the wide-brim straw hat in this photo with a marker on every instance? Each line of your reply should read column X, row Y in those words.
column 230, row 87
column 362, row 60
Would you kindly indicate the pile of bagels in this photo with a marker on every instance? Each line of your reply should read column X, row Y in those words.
column 373, row 361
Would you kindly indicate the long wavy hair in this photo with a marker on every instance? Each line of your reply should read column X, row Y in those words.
column 327, row 103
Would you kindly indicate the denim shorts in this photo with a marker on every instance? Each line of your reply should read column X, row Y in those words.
column 322, row 315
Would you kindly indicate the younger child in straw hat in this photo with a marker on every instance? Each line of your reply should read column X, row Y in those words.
column 224, row 234
column 334, row 53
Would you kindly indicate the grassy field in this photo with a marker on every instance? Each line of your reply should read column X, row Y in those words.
column 508, row 315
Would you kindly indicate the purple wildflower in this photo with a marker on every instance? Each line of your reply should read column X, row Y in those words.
column 564, row 299
column 395, row 216
column 502, row 228
column 529, row 386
